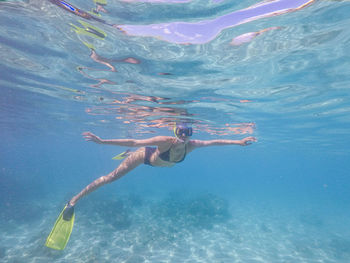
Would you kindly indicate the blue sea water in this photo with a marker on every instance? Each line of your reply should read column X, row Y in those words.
column 283, row 79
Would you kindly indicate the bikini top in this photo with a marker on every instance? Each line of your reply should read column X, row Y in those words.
column 165, row 156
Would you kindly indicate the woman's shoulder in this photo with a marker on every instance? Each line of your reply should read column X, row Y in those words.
column 165, row 142
column 192, row 144
column 165, row 138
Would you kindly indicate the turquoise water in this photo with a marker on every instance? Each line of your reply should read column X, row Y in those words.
column 278, row 71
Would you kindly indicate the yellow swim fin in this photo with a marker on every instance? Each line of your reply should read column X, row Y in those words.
column 88, row 30
column 60, row 232
column 122, row 155
column 101, row 2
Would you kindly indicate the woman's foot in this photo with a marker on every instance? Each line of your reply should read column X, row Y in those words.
column 68, row 212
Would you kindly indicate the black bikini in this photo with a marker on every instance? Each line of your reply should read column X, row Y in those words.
column 149, row 151
column 165, row 156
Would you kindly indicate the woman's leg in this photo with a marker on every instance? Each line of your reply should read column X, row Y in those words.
column 132, row 161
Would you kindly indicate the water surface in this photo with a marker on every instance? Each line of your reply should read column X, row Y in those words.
column 276, row 70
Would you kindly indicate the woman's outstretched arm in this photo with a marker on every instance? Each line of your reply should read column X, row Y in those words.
column 156, row 141
column 244, row 142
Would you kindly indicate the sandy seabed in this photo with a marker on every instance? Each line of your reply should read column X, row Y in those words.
column 203, row 228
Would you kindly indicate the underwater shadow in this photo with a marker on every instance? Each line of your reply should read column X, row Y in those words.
column 340, row 248
column 311, row 220
column 21, row 212
column 116, row 213
column 202, row 211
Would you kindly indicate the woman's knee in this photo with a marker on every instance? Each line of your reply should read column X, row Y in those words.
column 107, row 178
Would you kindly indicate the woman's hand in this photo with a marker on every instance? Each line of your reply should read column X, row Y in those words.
column 89, row 136
column 248, row 140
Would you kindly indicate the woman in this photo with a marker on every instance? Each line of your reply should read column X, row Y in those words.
column 155, row 151
column 166, row 151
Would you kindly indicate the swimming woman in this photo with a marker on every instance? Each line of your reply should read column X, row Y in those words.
column 156, row 151
column 164, row 151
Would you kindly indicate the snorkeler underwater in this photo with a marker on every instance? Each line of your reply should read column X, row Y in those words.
column 174, row 131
